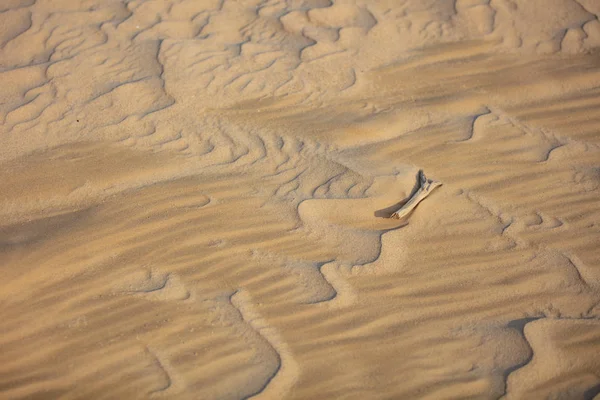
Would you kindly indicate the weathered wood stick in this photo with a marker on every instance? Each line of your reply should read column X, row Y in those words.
column 426, row 187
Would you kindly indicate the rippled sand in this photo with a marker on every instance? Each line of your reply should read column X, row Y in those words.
column 194, row 198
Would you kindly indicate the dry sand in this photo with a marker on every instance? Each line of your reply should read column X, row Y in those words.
column 193, row 198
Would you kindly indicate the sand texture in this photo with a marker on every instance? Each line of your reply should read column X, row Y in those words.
column 195, row 199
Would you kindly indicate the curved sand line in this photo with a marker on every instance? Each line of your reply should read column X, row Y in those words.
column 286, row 372
column 186, row 137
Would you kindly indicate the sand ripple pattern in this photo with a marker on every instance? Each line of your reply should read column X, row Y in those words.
column 193, row 198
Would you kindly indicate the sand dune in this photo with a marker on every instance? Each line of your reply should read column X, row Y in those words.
column 194, row 199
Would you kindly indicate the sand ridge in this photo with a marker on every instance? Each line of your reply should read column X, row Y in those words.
column 194, row 199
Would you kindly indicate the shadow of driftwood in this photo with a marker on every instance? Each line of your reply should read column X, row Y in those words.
column 388, row 211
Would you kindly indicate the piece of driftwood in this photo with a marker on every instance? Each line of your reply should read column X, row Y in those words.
column 426, row 186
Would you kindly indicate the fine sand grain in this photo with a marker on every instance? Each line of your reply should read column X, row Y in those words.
column 195, row 199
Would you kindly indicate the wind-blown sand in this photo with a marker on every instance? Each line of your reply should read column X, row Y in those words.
column 193, row 199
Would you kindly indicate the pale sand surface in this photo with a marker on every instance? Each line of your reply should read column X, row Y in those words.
column 193, row 193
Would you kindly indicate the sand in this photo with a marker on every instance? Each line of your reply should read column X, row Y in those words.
column 194, row 199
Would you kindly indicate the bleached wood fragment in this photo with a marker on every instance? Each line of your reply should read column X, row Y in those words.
column 426, row 187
